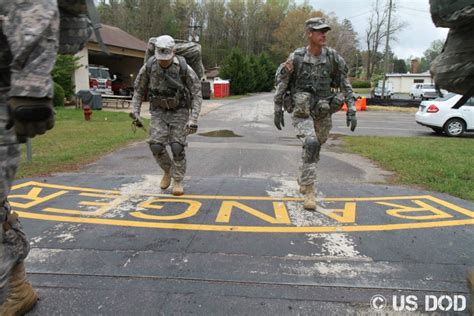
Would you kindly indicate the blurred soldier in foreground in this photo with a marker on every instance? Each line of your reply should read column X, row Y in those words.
column 305, row 84
column 29, row 40
column 175, row 104
column 453, row 69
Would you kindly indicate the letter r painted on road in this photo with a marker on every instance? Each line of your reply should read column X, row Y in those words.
column 399, row 211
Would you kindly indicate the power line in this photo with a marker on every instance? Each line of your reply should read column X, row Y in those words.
column 360, row 14
column 417, row 10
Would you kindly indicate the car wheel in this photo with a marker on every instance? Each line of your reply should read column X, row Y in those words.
column 438, row 130
column 454, row 127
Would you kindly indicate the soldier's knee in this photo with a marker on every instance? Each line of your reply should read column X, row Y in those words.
column 311, row 147
column 178, row 151
column 157, row 149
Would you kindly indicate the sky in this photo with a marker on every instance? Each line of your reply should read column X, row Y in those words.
column 412, row 41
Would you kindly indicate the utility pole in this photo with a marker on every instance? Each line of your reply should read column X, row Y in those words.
column 386, row 48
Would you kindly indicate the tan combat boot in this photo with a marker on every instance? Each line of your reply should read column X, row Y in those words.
column 166, row 180
column 177, row 188
column 302, row 187
column 22, row 297
column 309, row 199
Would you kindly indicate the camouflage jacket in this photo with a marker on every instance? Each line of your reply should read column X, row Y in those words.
column 153, row 78
column 316, row 74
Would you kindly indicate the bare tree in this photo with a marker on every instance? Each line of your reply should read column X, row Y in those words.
column 376, row 32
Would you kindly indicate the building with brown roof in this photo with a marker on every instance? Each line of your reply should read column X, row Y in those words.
column 126, row 57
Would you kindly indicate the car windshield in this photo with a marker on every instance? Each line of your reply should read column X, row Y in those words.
column 447, row 96
column 429, row 86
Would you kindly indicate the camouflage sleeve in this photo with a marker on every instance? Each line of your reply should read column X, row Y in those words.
column 194, row 85
column 140, row 85
column 282, row 80
column 31, row 28
column 342, row 81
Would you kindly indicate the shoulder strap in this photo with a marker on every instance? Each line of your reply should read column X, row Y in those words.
column 149, row 62
column 332, row 59
column 183, row 68
column 298, row 56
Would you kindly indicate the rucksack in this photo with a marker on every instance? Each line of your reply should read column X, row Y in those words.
column 191, row 52
column 453, row 69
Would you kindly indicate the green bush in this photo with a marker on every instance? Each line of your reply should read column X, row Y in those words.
column 360, row 84
column 58, row 97
column 63, row 71
column 248, row 73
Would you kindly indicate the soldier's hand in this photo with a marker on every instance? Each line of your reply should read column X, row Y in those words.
column 351, row 119
column 30, row 116
column 278, row 119
column 191, row 127
column 136, row 119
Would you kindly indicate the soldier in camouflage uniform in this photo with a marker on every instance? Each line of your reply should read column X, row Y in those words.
column 175, row 104
column 29, row 37
column 308, row 79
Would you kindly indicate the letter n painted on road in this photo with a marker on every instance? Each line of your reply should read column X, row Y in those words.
column 281, row 214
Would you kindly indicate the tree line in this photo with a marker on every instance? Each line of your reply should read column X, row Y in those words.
column 256, row 27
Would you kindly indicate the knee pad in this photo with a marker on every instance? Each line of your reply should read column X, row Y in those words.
column 178, row 151
column 311, row 147
column 157, row 149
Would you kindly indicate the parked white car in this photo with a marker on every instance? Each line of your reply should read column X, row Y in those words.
column 439, row 115
column 423, row 91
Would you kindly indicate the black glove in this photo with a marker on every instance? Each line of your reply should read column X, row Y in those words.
column 30, row 116
column 351, row 119
column 136, row 120
column 191, row 127
column 279, row 119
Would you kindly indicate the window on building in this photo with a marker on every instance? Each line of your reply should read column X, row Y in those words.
column 418, row 80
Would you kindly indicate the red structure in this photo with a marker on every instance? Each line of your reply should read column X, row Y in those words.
column 221, row 88
column 87, row 112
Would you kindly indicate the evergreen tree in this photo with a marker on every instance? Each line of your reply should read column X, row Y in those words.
column 236, row 68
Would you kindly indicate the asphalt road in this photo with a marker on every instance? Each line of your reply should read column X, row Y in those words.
column 106, row 240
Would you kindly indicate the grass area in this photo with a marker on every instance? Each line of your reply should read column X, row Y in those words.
column 391, row 108
column 74, row 141
column 435, row 163
column 362, row 90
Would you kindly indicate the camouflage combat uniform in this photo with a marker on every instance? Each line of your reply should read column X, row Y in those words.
column 29, row 40
column 314, row 102
column 168, row 126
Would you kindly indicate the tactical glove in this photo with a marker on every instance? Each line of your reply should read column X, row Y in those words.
column 30, row 116
column 351, row 119
column 136, row 119
column 191, row 127
column 279, row 119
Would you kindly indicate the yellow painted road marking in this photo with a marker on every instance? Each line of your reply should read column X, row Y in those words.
column 249, row 229
column 420, row 214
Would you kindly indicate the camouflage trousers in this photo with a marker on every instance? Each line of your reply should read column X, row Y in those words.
column 309, row 127
column 169, row 127
column 14, row 246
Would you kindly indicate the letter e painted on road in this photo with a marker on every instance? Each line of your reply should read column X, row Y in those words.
column 34, row 197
